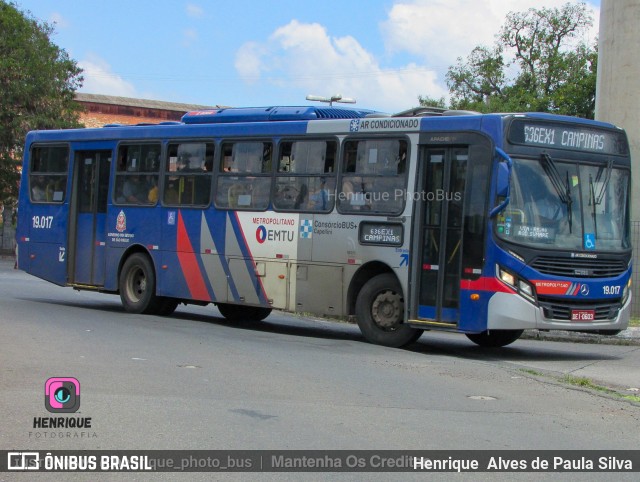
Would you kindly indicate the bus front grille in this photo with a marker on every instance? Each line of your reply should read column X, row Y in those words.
column 579, row 268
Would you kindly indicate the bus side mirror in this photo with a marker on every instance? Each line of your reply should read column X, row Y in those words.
column 502, row 182
column 502, row 188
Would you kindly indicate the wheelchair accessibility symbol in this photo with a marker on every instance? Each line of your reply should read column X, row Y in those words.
column 589, row 241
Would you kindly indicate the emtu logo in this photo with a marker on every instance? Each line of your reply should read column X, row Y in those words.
column 261, row 234
column 62, row 395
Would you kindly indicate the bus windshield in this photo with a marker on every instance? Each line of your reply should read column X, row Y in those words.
column 569, row 205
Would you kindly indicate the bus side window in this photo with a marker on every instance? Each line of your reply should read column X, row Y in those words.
column 306, row 177
column 137, row 173
column 374, row 176
column 244, row 181
column 188, row 174
column 48, row 174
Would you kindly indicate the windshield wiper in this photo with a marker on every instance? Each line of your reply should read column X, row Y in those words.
column 563, row 191
column 597, row 199
column 605, row 183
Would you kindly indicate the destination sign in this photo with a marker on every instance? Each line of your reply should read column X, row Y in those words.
column 386, row 234
column 562, row 136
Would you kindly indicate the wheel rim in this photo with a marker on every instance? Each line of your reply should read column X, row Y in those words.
column 136, row 284
column 386, row 310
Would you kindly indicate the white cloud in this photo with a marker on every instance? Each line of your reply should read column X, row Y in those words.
column 195, row 11
column 248, row 61
column 303, row 56
column 99, row 79
column 440, row 31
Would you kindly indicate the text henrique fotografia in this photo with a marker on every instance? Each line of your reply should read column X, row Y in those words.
column 80, row 426
column 62, row 396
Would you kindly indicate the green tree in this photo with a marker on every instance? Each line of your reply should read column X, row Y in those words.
column 538, row 63
column 37, row 85
column 432, row 102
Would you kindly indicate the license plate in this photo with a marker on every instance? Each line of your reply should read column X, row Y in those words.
column 583, row 315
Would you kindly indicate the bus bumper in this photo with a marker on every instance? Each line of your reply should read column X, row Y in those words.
column 512, row 312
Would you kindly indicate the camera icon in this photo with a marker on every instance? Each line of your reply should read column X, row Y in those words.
column 62, row 395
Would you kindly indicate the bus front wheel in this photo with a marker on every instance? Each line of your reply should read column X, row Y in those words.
column 137, row 285
column 243, row 313
column 380, row 313
column 495, row 338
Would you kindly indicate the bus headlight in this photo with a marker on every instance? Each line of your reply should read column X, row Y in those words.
column 507, row 277
column 524, row 288
column 625, row 292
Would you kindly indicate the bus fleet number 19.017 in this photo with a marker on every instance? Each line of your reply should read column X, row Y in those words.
column 42, row 222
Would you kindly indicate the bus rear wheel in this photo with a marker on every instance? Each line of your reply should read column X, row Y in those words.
column 495, row 338
column 137, row 285
column 380, row 313
column 165, row 306
column 243, row 313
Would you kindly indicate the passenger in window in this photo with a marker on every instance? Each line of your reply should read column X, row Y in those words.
column 152, row 195
column 193, row 164
column 301, row 197
column 319, row 199
column 228, row 164
column 171, row 193
column 38, row 189
column 208, row 163
column 355, row 194
column 135, row 190
column 55, row 190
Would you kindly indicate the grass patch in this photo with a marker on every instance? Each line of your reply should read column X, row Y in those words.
column 531, row 372
column 584, row 382
column 634, row 322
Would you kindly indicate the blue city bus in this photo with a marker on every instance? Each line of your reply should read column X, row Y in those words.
column 485, row 225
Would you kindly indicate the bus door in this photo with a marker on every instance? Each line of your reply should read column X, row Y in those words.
column 87, row 233
column 442, row 198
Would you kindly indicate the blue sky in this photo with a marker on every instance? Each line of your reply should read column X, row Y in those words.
column 383, row 53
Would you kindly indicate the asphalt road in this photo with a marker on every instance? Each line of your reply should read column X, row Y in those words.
column 196, row 381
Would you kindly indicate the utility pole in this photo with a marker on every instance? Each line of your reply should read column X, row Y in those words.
column 618, row 81
column 618, row 97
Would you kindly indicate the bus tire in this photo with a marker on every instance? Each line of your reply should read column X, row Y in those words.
column 243, row 313
column 495, row 338
column 380, row 313
column 137, row 285
column 258, row 313
column 165, row 305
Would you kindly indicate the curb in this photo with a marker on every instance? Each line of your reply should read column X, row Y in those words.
column 630, row 336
